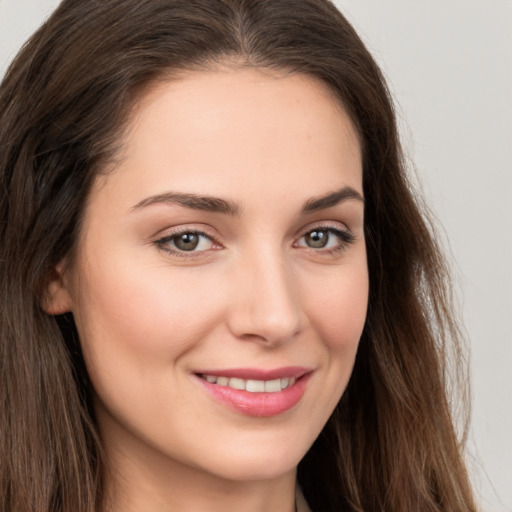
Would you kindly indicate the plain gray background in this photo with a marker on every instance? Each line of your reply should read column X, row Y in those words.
column 449, row 65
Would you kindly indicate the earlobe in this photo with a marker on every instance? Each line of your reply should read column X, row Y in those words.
column 57, row 299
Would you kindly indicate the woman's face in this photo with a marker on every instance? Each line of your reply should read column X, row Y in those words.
column 220, row 286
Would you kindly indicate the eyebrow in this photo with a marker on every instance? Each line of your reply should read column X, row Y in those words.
column 332, row 199
column 218, row 205
column 193, row 201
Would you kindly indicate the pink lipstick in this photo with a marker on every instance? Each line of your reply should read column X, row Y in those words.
column 256, row 392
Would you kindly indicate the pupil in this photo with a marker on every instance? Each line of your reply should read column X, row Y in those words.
column 187, row 241
column 317, row 239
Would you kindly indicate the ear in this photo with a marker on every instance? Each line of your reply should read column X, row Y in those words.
column 57, row 299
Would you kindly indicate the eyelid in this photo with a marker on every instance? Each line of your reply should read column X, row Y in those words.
column 323, row 224
column 166, row 236
column 186, row 228
column 337, row 228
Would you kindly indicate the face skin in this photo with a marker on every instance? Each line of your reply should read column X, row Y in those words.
column 258, row 291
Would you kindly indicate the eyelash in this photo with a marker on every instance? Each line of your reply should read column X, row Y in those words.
column 163, row 243
column 346, row 239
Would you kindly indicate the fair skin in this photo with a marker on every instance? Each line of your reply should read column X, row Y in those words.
column 166, row 288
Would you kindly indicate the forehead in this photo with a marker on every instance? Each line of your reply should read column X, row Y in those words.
column 213, row 129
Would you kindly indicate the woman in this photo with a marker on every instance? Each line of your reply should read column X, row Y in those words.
column 219, row 292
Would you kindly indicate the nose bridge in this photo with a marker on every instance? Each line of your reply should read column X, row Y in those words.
column 267, row 306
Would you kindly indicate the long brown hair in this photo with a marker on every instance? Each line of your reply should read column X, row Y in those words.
column 390, row 444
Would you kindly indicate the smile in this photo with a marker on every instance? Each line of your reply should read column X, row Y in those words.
column 257, row 393
column 253, row 386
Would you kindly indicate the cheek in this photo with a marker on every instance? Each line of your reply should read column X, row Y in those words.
column 145, row 307
column 135, row 326
column 133, row 322
column 339, row 309
column 339, row 315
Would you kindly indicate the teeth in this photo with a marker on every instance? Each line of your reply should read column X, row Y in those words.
column 271, row 386
column 236, row 383
column 253, row 386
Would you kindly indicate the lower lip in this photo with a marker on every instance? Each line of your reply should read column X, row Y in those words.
column 261, row 405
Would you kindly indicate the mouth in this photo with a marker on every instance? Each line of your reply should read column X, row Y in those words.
column 259, row 393
column 251, row 385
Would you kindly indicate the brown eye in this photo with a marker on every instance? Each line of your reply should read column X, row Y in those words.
column 326, row 239
column 317, row 239
column 186, row 241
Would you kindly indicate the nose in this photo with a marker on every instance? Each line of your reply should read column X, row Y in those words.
column 266, row 307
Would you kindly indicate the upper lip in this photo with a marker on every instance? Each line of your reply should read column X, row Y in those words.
column 257, row 373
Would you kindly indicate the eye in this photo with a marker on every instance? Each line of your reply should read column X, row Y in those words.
column 326, row 238
column 186, row 242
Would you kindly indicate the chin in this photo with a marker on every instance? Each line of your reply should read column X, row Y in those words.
column 258, row 462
